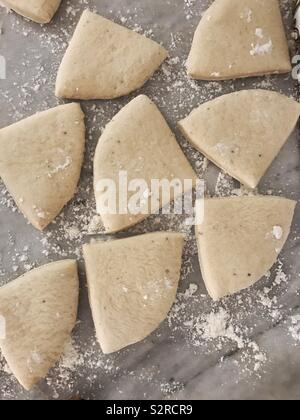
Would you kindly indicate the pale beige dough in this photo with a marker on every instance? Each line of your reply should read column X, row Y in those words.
column 41, row 159
column 138, row 140
column 132, row 286
column 239, row 38
column 105, row 60
column 40, row 11
column 240, row 240
column 242, row 132
column 40, row 310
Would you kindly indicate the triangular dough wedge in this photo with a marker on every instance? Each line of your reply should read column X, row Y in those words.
column 41, row 159
column 40, row 11
column 105, row 60
column 39, row 311
column 240, row 240
column 139, row 141
column 132, row 286
column 239, row 38
column 242, row 132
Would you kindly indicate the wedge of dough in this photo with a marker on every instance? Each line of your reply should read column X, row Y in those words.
column 41, row 159
column 40, row 310
column 139, row 141
column 132, row 286
column 105, row 60
column 242, row 132
column 239, row 38
column 40, row 11
column 240, row 240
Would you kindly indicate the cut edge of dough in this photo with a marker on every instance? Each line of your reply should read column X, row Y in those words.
column 193, row 75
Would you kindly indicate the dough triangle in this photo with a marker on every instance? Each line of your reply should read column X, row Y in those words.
column 239, row 38
column 132, row 286
column 138, row 140
column 240, row 239
column 105, row 60
column 242, row 132
column 40, row 11
column 39, row 310
column 41, row 159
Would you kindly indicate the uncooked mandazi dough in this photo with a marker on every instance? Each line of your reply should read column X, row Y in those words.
column 105, row 60
column 41, row 159
column 239, row 38
column 240, row 240
column 242, row 132
column 39, row 310
column 138, row 141
column 132, row 286
column 40, row 11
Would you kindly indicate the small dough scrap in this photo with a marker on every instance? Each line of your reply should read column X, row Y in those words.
column 39, row 311
column 138, row 140
column 237, row 240
column 239, row 38
column 41, row 159
column 132, row 286
column 40, row 11
column 242, row 132
column 105, row 60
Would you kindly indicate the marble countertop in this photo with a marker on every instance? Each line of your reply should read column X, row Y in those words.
column 256, row 353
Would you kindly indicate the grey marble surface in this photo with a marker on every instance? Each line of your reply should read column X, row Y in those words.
column 176, row 361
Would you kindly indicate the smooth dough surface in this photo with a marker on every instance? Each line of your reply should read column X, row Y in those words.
column 40, row 310
column 105, row 60
column 242, row 132
column 41, row 159
column 40, row 11
column 132, row 286
column 240, row 240
column 138, row 140
column 239, row 38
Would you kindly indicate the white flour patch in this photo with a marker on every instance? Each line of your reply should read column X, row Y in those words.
column 277, row 232
column 261, row 49
column 294, row 329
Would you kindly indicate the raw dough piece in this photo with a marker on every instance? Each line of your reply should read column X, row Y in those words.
column 138, row 140
column 41, row 159
column 240, row 240
column 40, row 11
column 242, row 132
column 39, row 309
column 132, row 286
column 239, row 38
column 105, row 60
